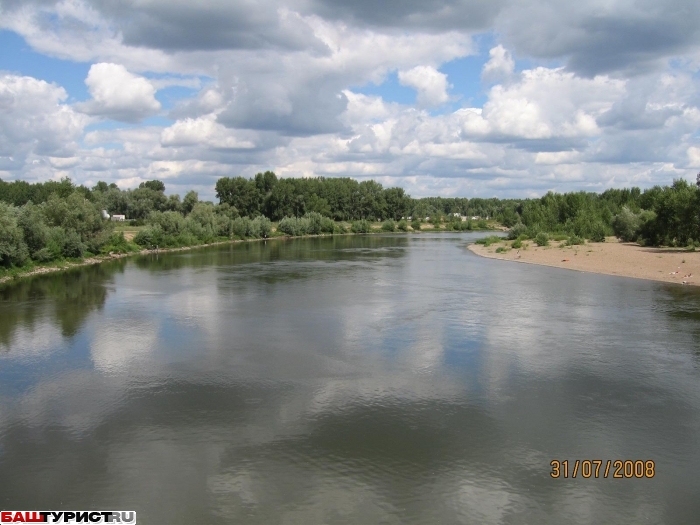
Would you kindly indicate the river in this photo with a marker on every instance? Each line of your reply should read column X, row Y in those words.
column 355, row 379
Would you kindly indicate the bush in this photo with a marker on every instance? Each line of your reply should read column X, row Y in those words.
column 73, row 246
column 389, row 225
column 34, row 230
column 575, row 240
column 339, row 227
column 241, row 227
column 327, row 225
column 626, row 225
column 517, row 243
column 294, row 226
column 488, row 241
column 501, row 249
column 55, row 240
column 315, row 222
column 482, row 224
column 262, row 226
column 117, row 243
column 517, row 230
column 362, row 226
column 542, row 239
column 559, row 237
column 402, row 225
column 150, row 236
column 171, row 223
column 13, row 250
column 598, row 232
column 415, row 224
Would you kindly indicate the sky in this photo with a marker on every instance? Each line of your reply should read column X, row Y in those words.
column 450, row 97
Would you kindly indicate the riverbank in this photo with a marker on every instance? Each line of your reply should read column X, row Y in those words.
column 670, row 265
column 97, row 259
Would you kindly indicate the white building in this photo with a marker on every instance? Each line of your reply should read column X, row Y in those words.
column 118, row 218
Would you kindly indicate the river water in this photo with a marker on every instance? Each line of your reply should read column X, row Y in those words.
column 355, row 379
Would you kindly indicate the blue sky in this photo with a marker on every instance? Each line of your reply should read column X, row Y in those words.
column 453, row 97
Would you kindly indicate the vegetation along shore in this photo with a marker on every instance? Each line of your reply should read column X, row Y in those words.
column 53, row 225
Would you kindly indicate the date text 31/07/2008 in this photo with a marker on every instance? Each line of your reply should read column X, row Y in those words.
column 598, row 468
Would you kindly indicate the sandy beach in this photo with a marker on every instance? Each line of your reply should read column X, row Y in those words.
column 671, row 265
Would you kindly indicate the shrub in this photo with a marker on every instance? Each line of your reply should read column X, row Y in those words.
column 34, row 230
column 542, row 239
column 327, row 225
column 517, row 243
column 598, row 232
column 415, row 224
column 13, row 250
column 482, row 224
column 117, row 243
column 389, row 225
column 402, row 225
column 262, row 226
column 575, row 240
column 532, row 231
column 362, row 226
column 171, row 223
column 517, row 230
column 315, row 222
column 626, row 225
column 339, row 227
column 501, row 249
column 559, row 237
column 72, row 245
column 488, row 241
column 150, row 236
column 241, row 227
column 294, row 226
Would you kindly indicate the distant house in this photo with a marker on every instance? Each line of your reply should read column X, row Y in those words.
column 118, row 218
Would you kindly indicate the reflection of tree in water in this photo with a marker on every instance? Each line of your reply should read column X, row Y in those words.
column 65, row 298
column 337, row 248
column 682, row 304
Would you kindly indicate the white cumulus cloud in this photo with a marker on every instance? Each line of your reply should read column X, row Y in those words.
column 35, row 120
column 430, row 84
column 203, row 131
column 118, row 94
column 500, row 66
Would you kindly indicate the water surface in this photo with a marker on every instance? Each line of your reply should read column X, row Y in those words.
column 358, row 379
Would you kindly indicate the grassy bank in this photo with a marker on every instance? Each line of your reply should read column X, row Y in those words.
column 123, row 245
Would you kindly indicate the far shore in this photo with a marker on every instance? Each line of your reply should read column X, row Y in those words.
column 669, row 265
column 129, row 235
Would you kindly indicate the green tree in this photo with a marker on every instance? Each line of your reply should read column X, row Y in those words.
column 189, row 202
column 13, row 250
column 154, row 185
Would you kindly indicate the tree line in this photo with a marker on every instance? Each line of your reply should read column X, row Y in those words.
column 53, row 220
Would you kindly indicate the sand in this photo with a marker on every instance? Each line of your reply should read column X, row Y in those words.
column 670, row 265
